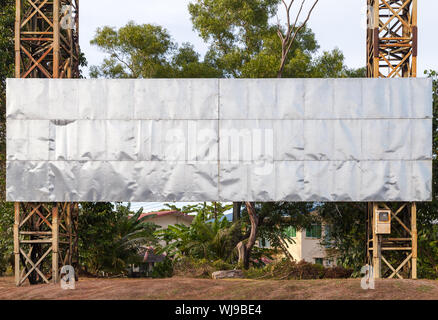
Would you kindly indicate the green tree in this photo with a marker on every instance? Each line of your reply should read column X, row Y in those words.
column 269, row 221
column 427, row 212
column 186, row 63
column 234, row 29
column 210, row 236
column 243, row 43
column 291, row 30
column 110, row 238
column 7, row 14
column 146, row 51
column 346, row 241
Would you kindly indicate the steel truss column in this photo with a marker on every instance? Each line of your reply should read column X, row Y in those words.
column 46, row 46
column 43, row 231
column 392, row 38
column 394, row 254
column 47, row 39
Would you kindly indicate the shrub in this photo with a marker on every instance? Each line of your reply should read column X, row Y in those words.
column 291, row 270
column 3, row 265
column 308, row 270
column 198, row 268
column 163, row 269
column 192, row 268
column 338, row 273
column 256, row 273
column 220, row 265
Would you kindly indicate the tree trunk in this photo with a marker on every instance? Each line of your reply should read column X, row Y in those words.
column 243, row 255
column 244, row 247
column 236, row 211
column 282, row 63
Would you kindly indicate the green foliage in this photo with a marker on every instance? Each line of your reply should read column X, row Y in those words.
column 347, row 239
column 110, row 238
column 220, row 265
column 244, row 43
column 331, row 65
column 234, row 29
column 198, row 268
column 163, row 269
column 260, row 257
column 193, row 268
column 291, row 270
column 210, row 236
column 146, row 51
column 427, row 212
column 428, row 252
column 6, row 235
column 276, row 217
column 186, row 63
column 135, row 51
column 7, row 14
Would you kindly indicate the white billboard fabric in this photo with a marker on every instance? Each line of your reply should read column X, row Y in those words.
column 219, row 140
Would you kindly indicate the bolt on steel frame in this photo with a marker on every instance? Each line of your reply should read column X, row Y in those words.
column 46, row 46
column 392, row 52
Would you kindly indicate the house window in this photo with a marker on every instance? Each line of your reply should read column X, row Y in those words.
column 319, row 261
column 291, row 232
column 263, row 243
column 314, row 231
column 329, row 262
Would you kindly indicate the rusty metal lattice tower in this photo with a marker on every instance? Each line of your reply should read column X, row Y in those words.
column 46, row 39
column 46, row 46
column 392, row 38
column 392, row 52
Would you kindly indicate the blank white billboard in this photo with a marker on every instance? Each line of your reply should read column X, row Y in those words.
column 219, row 140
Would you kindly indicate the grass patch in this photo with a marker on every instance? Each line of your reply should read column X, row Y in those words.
column 424, row 288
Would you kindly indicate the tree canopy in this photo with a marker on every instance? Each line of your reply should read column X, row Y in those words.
column 243, row 41
column 111, row 237
column 146, row 51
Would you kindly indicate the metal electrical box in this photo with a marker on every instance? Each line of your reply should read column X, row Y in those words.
column 383, row 221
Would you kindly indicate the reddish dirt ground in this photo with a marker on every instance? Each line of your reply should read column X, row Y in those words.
column 200, row 289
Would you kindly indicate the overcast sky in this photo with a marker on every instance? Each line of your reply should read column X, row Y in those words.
column 336, row 23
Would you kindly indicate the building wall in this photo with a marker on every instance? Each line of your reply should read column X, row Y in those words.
column 169, row 220
column 308, row 249
column 165, row 221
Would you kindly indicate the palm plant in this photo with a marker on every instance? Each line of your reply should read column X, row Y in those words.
column 210, row 236
column 110, row 240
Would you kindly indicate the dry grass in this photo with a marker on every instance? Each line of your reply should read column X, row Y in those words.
column 204, row 289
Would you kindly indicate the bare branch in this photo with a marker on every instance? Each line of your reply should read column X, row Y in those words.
column 302, row 26
column 292, row 30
